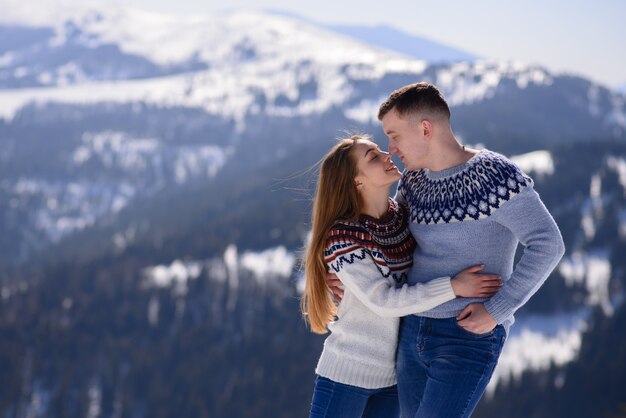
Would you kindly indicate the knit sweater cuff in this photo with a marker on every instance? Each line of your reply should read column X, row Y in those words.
column 499, row 309
column 441, row 289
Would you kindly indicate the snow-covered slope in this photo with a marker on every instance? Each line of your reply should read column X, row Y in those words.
column 295, row 67
column 230, row 64
column 216, row 38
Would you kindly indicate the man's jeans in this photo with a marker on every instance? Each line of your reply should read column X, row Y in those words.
column 336, row 400
column 443, row 369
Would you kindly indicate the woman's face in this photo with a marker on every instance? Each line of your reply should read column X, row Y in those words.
column 375, row 168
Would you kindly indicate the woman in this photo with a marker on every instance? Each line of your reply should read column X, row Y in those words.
column 362, row 235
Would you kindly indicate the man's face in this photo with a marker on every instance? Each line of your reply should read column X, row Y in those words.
column 406, row 139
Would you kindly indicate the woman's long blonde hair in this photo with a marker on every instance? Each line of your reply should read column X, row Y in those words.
column 335, row 198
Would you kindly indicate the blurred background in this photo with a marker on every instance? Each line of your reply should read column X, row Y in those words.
column 155, row 192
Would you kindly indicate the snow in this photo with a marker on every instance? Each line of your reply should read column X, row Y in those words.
column 48, row 12
column 264, row 267
column 248, row 54
column 471, row 82
column 617, row 115
column 217, row 270
column 592, row 208
column 593, row 270
column 366, row 111
column 69, row 206
column 116, row 147
column 232, row 266
column 536, row 342
column 38, row 397
column 593, row 96
column 94, row 393
column 534, row 76
column 459, row 86
column 211, row 38
column 231, row 90
column 153, row 310
column 134, row 156
column 193, row 161
column 147, row 91
column 175, row 275
column 232, row 269
column 123, row 238
column 595, row 187
column 6, row 59
column 162, row 39
column 618, row 165
column 272, row 265
column 274, row 262
column 597, row 281
column 537, row 162
column 224, row 92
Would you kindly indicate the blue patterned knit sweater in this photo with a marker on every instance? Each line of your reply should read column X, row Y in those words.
column 477, row 213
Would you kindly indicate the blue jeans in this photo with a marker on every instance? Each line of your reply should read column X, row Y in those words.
column 443, row 369
column 336, row 400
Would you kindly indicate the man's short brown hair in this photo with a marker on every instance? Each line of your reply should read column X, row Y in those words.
column 415, row 98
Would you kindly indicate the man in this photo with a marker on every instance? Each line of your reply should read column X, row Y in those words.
column 466, row 207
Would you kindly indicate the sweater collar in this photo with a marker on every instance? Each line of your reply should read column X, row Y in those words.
column 433, row 175
column 387, row 219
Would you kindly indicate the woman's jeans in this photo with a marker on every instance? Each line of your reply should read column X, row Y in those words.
column 443, row 369
column 336, row 400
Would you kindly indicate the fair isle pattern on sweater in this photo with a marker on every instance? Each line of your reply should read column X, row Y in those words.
column 387, row 240
column 485, row 185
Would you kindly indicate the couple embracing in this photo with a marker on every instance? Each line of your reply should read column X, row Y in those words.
column 426, row 281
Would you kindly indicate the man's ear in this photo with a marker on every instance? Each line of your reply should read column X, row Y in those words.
column 427, row 128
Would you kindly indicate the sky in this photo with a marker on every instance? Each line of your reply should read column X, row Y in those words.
column 578, row 37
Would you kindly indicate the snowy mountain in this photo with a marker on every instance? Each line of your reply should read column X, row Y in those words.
column 391, row 39
column 237, row 64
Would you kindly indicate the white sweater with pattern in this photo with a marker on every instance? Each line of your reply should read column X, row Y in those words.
column 372, row 258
